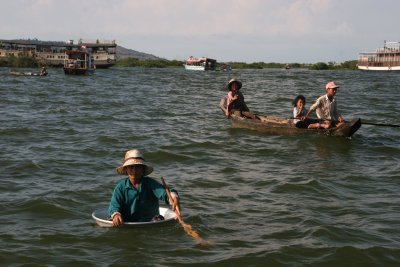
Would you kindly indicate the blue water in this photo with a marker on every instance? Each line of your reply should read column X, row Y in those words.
column 260, row 200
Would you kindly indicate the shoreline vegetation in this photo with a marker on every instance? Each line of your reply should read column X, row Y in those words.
column 30, row 62
column 133, row 62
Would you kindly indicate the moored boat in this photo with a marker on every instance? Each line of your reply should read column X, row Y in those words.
column 202, row 64
column 282, row 126
column 386, row 58
column 52, row 53
column 78, row 62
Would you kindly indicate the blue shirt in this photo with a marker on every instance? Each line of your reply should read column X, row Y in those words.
column 138, row 205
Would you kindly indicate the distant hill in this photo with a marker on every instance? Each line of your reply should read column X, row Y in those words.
column 123, row 52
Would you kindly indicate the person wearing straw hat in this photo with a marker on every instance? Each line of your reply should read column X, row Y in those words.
column 235, row 101
column 136, row 198
column 326, row 109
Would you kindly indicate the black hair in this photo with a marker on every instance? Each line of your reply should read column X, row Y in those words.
column 297, row 99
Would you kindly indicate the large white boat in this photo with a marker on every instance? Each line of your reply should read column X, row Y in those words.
column 52, row 53
column 386, row 58
column 202, row 63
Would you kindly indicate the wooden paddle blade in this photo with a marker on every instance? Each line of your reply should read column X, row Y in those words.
column 186, row 227
column 380, row 124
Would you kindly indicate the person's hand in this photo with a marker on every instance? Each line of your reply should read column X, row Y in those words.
column 176, row 204
column 303, row 118
column 341, row 120
column 117, row 220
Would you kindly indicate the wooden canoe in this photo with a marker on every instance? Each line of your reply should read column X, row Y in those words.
column 282, row 126
column 20, row 73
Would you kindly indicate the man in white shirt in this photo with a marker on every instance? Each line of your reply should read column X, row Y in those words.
column 326, row 109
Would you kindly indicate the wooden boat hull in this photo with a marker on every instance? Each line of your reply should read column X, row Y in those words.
column 77, row 71
column 280, row 126
column 18, row 73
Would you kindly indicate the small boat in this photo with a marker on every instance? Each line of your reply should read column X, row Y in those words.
column 282, row 126
column 102, row 218
column 78, row 62
column 22, row 73
column 386, row 58
column 226, row 67
column 202, row 63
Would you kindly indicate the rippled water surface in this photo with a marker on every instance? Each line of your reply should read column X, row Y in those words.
column 260, row 200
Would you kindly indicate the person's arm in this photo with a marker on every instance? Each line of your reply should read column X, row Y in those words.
column 160, row 192
column 114, row 209
column 336, row 114
column 309, row 112
column 176, row 201
column 228, row 102
column 312, row 108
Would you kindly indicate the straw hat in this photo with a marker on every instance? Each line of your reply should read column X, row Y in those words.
column 134, row 157
column 239, row 83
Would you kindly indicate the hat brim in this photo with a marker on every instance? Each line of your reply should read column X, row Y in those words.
column 332, row 87
column 147, row 166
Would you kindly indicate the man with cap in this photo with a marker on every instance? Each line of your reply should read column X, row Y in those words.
column 136, row 198
column 326, row 109
column 235, row 101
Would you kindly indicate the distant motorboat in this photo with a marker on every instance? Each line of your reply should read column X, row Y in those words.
column 202, row 63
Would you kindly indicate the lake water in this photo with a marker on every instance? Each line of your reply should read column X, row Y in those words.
column 261, row 200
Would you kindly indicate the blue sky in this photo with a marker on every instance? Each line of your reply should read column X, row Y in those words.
column 303, row 31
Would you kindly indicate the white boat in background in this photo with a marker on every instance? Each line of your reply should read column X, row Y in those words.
column 202, row 63
column 52, row 53
column 386, row 58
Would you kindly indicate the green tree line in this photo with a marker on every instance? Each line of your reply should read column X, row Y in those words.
column 133, row 62
column 19, row 62
column 26, row 61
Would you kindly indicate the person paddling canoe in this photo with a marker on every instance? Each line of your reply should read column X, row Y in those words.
column 326, row 109
column 136, row 198
column 235, row 101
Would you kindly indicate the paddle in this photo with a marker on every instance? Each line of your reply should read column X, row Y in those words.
column 379, row 124
column 187, row 227
column 362, row 122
